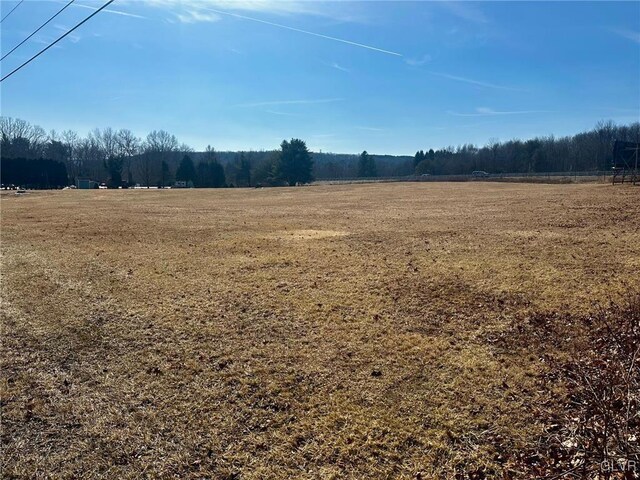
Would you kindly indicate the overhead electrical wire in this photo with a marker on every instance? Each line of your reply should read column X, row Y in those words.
column 19, row 3
column 37, row 30
column 57, row 40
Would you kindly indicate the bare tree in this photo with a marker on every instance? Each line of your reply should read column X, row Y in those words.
column 26, row 140
column 146, row 165
column 70, row 139
column 158, row 150
column 128, row 146
column 108, row 141
column 90, row 157
column 14, row 127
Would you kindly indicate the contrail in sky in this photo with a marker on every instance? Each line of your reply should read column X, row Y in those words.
column 475, row 82
column 290, row 102
column 348, row 42
column 117, row 12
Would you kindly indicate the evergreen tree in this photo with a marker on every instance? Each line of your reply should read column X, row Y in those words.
column 239, row 170
column 114, row 167
column 33, row 173
column 217, row 175
column 423, row 167
column 366, row 165
column 263, row 172
column 201, row 175
column 243, row 176
column 294, row 163
column 164, row 173
column 210, row 175
column 186, row 170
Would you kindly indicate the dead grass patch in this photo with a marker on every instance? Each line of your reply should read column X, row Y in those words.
column 170, row 334
column 308, row 234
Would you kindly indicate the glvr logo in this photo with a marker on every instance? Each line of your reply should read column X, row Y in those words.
column 620, row 465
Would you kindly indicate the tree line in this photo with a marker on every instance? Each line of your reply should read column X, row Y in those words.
column 120, row 158
column 586, row 151
column 40, row 173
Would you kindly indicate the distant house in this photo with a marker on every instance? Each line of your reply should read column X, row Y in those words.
column 86, row 183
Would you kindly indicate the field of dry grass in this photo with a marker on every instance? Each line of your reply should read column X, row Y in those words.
column 320, row 332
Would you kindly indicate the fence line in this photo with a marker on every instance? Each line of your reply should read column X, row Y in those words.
column 467, row 177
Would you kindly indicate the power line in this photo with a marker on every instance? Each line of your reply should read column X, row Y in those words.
column 57, row 40
column 37, row 30
column 19, row 3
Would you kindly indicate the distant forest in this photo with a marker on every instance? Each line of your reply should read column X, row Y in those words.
column 32, row 157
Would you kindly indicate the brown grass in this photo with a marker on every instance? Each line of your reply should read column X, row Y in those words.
column 592, row 427
column 321, row 332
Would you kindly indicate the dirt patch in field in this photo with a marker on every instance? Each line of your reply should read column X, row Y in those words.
column 308, row 234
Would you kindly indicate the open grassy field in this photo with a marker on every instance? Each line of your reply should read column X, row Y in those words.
column 320, row 332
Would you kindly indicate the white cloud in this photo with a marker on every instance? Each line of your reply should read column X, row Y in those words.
column 487, row 112
column 271, row 6
column 197, row 16
column 191, row 11
column 474, row 82
column 307, row 32
column 267, row 6
column 72, row 37
column 339, row 67
column 370, row 129
column 417, row 62
column 108, row 10
column 277, row 7
column 627, row 33
column 290, row 102
column 286, row 114
column 465, row 10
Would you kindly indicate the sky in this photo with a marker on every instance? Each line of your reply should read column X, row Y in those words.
column 389, row 77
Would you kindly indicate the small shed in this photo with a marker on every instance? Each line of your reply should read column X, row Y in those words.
column 86, row 183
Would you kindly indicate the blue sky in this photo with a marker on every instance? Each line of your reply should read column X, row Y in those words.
column 388, row 77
